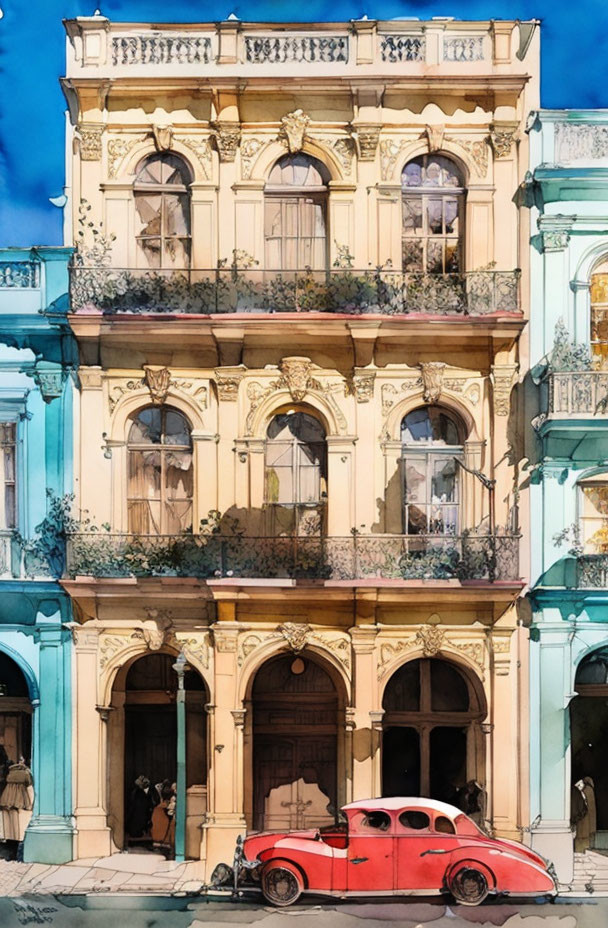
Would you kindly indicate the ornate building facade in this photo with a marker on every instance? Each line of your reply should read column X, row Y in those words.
column 567, row 192
column 298, row 295
column 37, row 360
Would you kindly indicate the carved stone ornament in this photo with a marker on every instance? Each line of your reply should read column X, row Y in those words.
column 228, row 386
column 118, row 149
column 250, row 148
column 502, row 139
column 503, row 376
column 158, row 381
column 90, row 141
column 555, row 240
column 390, row 150
column 202, row 150
column 155, row 629
column 366, row 137
column 227, row 138
column 163, row 137
column 295, row 635
column 362, row 387
column 432, row 380
column 293, row 130
column 111, row 644
column 477, row 150
column 296, row 376
column 435, row 135
column 49, row 378
column 430, row 639
column 580, row 142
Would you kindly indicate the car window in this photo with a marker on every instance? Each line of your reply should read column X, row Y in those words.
column 414, row 820
column 375, row 821
column 444, row 825
column 465, row 826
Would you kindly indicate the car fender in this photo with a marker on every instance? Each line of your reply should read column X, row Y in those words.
column 517, row 874
column 269, row 857
column 458, row 862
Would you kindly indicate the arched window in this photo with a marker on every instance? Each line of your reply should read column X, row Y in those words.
column 296, row 473
column 431, row 444
column 160, row 472
column 433, row 215
column 162, row 211
column 593, row 513
column 429, row 743
column 295, row 214
column 599, row 314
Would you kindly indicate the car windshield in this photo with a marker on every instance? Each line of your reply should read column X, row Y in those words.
column 466, row 826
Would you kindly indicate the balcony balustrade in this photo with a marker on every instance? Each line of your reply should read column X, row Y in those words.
column 573, row 394
column 19, row 275
column 592, row 572
column 338, row 290
column 357, row 557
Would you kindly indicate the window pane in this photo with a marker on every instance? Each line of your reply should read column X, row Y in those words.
column 412, row 215
column 146, row 428
column 144, row 517
column 434, row 216
column 413, row 256
column 144, row 474
column 148, row 208
column 177, row 517
column 9, row 463
column 434, row 256
column 449, row 690
column 402, row 693
column 414, row 820
column 177, row 429
column 178, row 474
column 177, row 214
column 10, row 507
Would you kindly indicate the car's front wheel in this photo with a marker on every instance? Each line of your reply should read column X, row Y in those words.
column 469, row 886
column 282, row 883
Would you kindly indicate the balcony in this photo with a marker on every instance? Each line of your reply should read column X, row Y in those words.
column 356, row 557
column 574, row 423
column 338, row 290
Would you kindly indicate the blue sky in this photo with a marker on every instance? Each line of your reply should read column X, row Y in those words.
column 574, row 74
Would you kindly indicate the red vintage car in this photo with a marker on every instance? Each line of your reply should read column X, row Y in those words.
column 399, row 847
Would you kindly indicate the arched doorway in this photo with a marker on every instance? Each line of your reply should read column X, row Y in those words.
column 296, row 751
column 15, row 752
column 143, row 747
column 432, row 743
column 589, row 743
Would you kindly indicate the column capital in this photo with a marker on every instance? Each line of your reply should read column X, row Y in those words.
column 363, row 638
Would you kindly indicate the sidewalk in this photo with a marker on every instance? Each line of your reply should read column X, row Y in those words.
column 125, row 873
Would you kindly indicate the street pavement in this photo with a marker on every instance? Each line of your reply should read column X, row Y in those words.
column 121, row 911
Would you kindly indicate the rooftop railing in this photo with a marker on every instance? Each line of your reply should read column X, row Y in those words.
column 338, row 290
column 357, row 557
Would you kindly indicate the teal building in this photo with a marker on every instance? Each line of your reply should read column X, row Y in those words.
column 566, row 447
column 37, row 369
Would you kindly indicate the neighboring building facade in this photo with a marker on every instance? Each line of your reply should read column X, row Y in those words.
column 568, row 192
column 36, row 422
column 297, row 303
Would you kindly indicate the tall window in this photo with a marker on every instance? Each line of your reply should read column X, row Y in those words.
column 8, row 448
column 431, row 442
column 433, row 215
column 599, row 315
column 593, row 508
column 160, row 472
column 296, row 473
column 162, row 210
column 295, row 210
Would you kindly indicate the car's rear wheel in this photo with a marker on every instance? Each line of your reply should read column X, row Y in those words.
column 469, row 886
column 282, row 884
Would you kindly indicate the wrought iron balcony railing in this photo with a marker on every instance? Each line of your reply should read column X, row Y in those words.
column 356, row 557
column 578, row 393
column 338, row 290
column 592, row 571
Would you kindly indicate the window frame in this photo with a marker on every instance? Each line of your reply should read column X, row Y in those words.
column 163, row 450
column 13, row 444
column 163, row 190
column 423, row 195
column 283, row 194
column 599, row 479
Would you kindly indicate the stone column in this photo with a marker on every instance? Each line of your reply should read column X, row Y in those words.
column 340, row 471
column 50, row 834
column 205, row 468
column 393, row 489
column 93, row 837
column 506, row 748
column 550, row 747
column 225, row 819
column 365, row 740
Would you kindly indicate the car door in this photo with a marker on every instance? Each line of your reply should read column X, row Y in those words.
column 423, row 846
column 370, row 861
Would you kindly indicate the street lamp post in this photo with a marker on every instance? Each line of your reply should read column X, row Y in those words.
column 180, row 802
column 490, row 484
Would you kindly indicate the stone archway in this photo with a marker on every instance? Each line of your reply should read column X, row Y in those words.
column 432, row 743
column 143, row 743
column 296, row 751
column 15, row 745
